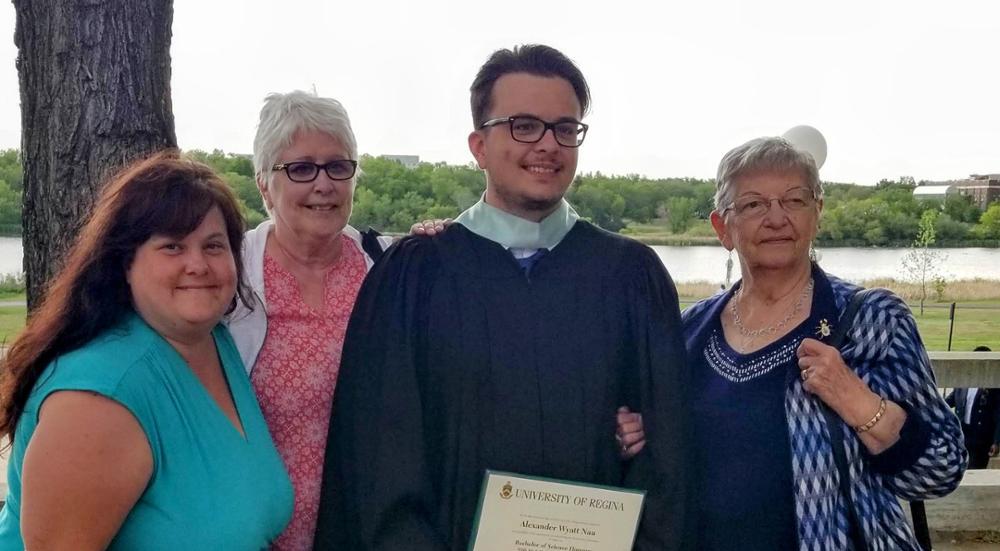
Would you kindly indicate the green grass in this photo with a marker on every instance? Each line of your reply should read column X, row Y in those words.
column 976, row 323
column 658, row 232
column 11, row 285
column 11, row 322
column 977, row 314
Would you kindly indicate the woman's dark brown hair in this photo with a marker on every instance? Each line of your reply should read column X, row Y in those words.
column 164, row 194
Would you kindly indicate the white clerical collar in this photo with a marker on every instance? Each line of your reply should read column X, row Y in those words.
column 514, row 232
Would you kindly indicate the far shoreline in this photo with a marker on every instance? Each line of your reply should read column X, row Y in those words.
column 699, row 241
column 685, row 241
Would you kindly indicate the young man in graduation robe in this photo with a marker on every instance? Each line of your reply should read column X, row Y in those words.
column 507, row 342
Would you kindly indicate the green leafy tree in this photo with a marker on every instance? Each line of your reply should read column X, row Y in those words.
column 642, row 199
column 10, row 209
column 681, row 213
column 921, row 262
column 989, row 222
column 961, row 209
column 390, row 197
column 10, row 169
column 223, row 162
column 371, row 209
column 947, row 228
column 885, row 215
column 601, row 206
column 834, row 192
column 245, row 187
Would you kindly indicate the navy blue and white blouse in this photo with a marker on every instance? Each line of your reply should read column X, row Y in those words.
column 884, row 348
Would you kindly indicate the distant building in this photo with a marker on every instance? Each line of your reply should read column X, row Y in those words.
column 983, row 189
column 409, row 161
column 934, row 190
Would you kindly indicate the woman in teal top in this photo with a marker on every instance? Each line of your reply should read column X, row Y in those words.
column 132, row 420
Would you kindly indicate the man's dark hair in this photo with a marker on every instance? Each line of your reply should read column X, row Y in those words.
column 534, row 59
column 982, row 349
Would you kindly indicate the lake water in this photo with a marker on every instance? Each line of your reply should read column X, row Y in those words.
column 11, row 255
column 687, row 264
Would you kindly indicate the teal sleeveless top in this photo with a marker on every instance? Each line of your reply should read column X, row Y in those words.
column 211, row 487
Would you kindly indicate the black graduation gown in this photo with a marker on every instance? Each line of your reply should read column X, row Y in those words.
column 456, row 362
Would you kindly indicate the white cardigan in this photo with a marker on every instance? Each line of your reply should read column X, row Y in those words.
column 249, row 327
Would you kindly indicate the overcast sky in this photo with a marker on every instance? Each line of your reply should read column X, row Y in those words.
column 897, row 87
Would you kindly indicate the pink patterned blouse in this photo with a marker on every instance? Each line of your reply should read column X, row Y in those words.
column 295, row 375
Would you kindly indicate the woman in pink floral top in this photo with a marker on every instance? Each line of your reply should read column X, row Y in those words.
column 305, row 266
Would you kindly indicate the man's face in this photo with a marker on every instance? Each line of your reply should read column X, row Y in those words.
column 527, row 179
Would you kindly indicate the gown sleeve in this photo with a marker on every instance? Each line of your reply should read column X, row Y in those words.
column 376, row 491
column 663, row 468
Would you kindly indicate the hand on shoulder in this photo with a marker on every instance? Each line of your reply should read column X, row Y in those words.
column 430, row 227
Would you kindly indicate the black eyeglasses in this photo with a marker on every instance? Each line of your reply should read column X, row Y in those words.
column 528, row 129
column 305, row 171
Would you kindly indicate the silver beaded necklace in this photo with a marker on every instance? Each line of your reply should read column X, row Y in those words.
column 770, row 329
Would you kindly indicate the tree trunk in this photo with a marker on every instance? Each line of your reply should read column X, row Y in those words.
column 95, row 94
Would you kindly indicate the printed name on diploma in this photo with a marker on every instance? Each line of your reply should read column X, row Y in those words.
column 561, row 528
column 526, row 513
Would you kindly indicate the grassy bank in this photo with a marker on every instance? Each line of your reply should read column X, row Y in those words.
column 977, row 310
column 966, row 290
column 11, row 322
column 700, row 233
column 977, row 313
column 11, row 286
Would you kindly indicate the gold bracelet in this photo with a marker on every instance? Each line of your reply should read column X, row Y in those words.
column 878, row 415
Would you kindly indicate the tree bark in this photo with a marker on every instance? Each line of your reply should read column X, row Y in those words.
column 95, row 94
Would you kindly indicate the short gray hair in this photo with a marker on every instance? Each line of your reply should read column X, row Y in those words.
column 771, row 153
column 285, row 114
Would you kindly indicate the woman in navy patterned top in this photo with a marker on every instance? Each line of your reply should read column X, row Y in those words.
column 763, row 374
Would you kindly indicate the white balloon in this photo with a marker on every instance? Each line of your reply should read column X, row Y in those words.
column 809, row 140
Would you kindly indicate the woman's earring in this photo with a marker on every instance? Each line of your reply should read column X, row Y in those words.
column 814, row 255
column 729, row 269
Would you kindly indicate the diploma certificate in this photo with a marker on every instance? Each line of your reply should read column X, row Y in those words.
column 524, row 513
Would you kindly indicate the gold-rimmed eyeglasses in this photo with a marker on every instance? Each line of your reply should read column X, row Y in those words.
column 754, row 205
